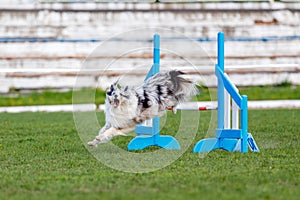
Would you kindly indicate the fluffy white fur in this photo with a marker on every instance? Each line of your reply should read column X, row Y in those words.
column 126, row 107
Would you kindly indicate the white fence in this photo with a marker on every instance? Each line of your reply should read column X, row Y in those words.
column 44, row 45
column 141, row 1
column 138, row 1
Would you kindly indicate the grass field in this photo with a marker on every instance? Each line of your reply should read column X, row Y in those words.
column 49, row 97
column 42, row 157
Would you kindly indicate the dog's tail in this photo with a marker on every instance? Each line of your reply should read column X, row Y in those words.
column 168, row 88
column 182, row 86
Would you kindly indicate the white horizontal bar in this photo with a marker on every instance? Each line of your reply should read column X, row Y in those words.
column 263, row 104
column 272, row 104
column 50, row 108
column 205, row 68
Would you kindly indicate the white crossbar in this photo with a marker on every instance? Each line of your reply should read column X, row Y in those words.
column 227, row 110
column 234, row 124
column 235, row 88
column 235, row 115
column 147, row 122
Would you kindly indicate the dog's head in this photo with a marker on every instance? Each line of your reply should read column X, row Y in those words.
column 117, row 95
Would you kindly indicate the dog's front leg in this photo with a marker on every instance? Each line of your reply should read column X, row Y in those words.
column 110, row 133
column 104, row 128
column 95, row 142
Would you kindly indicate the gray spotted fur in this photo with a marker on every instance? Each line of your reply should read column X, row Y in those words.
column 126, row 106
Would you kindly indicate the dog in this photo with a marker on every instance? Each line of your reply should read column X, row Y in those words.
column 126, row 107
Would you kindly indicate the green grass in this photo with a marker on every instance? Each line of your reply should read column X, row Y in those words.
column 48, row 97
column 42, row 157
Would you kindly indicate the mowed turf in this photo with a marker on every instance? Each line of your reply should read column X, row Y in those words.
column 42, row 157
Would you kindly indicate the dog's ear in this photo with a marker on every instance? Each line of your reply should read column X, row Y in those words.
column 117, row 84
column 110, row 90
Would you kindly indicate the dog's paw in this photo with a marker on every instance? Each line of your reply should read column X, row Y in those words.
column 93, row 143
column 102, row 138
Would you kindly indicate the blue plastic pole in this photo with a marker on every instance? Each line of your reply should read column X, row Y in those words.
column 156, row 52
column 156, row 63
column 221, row 50
column 244, row 123
column 156, row 57
column 220, row 82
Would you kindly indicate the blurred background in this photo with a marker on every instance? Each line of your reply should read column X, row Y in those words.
column 45, row 43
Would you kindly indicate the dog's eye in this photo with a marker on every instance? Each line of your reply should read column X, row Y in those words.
column 125, row 96
column 108, row 92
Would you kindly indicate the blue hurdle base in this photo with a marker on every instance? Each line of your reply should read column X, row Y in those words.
column 143, row 141
column 209, row 144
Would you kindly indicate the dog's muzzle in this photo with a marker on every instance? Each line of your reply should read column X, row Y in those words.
column 116, row 102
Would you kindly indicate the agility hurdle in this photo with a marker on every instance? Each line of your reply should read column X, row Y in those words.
column 228, row 134
column 231, row 134
column 148, row 132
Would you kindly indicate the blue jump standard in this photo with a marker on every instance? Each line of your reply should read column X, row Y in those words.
column 149, row 135
column 227, row 139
